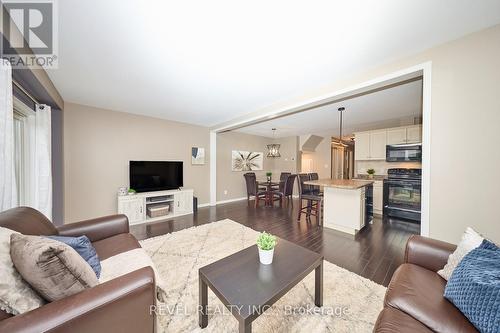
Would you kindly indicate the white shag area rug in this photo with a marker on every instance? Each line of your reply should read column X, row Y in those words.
column 351, row 303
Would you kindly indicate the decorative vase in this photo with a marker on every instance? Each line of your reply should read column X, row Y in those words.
column 370, row 176
column 269, row 179
column 266, row 256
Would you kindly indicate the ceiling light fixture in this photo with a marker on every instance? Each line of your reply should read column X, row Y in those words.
column 341, row 111
column 273, row 150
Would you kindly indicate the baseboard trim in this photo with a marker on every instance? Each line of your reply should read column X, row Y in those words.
column 230, row 200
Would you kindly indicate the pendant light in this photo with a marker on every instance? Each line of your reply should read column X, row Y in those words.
column 341, row 125
column 273, row 150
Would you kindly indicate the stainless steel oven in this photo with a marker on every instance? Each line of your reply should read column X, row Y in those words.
column 404, row 153
column 402, row 193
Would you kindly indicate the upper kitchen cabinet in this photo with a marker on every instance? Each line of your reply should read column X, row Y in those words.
column 371, row 145
column 362, row 146
column 396, row 136
column 402, row 135
column 378, row 141
column 414, row 134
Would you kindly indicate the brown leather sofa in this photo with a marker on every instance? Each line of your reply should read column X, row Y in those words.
column 414, row 300
column 120, row 305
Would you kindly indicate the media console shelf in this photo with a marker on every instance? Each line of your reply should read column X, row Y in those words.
column 179, row 202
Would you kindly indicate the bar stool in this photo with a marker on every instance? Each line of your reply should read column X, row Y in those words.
column 315, row 189
column 314, row 202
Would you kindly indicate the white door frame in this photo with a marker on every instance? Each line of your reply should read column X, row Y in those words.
column 423, row 69
column 213, row 168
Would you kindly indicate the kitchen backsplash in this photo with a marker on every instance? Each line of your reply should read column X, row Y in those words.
column 381, row 167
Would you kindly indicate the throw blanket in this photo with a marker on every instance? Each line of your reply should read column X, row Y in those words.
column 128, row 262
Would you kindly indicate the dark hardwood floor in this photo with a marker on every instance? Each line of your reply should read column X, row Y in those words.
column 374, row 253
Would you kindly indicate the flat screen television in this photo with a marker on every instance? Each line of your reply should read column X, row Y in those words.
column 148, row 176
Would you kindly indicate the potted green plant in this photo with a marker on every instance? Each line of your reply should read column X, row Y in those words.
column 266, row 243
column 370, row 173
column 131, row 191
column 269, row 176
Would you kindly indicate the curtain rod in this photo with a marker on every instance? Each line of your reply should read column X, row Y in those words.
column 25, row 92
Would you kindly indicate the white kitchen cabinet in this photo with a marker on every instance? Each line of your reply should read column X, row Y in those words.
column 371, row 145
column 133, row 208
column 362, row 146
column 378, row 141
column 344, row 209
column 414, row 134
column 402, row 135
column 378, row 197
column 396, row 136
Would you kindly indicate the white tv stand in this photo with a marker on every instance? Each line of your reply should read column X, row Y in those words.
column 135, row 206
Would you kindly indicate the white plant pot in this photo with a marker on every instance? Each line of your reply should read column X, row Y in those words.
column 266, row 256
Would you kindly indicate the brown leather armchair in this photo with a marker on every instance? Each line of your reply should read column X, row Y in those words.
column 121, row 305
column 414, row 300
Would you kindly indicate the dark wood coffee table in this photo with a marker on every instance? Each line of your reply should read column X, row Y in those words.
column 247, row 288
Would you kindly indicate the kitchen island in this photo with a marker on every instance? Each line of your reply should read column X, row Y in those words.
column 346, row 203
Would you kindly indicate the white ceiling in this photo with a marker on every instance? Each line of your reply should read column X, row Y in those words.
column 385, row 108
column 210, row 61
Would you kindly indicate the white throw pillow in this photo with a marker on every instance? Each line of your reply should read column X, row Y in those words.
column 127, row 262
column 16, row 295
column 470, row 240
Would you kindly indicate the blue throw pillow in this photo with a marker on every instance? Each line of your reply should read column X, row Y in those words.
column 84, row 247
column 474, row 287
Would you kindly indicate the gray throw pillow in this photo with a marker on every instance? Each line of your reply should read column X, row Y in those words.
column 53, row 269
column 16, row 295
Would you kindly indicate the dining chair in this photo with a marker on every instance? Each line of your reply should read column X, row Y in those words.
column 289, row 182
column 253, row 188
column 283, row 177
column 314, row 202
column 287, row 191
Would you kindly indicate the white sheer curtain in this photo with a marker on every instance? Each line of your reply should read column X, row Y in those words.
column 8, row 193
column 40, row 180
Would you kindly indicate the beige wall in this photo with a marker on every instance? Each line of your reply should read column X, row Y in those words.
column 233, row 181
column 98, row 145
column 464, row 131
column 321, row 157
column 288, row 160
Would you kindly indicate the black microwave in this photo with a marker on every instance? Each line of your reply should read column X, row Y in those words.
column 404, row 153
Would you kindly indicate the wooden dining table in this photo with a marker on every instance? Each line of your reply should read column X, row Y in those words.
column 270, row 188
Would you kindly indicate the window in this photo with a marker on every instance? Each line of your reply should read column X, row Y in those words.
column 22, row 117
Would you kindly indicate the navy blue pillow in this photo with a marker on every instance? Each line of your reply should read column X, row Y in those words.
column 474, row 287
column 84, row 247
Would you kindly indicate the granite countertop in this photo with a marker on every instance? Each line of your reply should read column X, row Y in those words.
column 349, row 184
column 375, row 177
